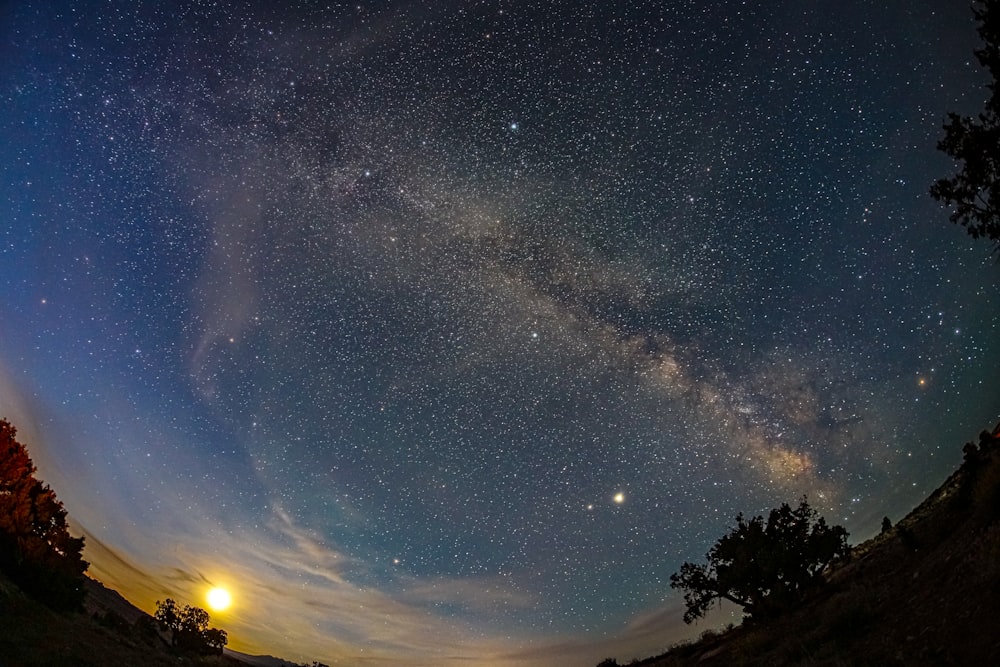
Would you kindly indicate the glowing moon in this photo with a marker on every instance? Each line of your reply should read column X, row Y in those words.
column 219, row 599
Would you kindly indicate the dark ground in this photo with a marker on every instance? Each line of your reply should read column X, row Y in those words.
column 927, row 592
column 31, row 635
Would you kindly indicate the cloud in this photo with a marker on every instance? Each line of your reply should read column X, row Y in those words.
column 275, row 574
column 20, row 407
column 480, row 596
column 227, row 292
column 650, row 632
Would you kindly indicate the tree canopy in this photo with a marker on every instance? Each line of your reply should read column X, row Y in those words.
column 36, row 550
column 974, row 193
column 765, row 567
column 188, row 626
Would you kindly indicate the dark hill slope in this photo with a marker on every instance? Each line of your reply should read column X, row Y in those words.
column 111, row 632
column 926, row 592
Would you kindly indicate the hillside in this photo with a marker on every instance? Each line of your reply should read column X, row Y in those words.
column 32, row 635
column 925, row 592
column 111, row 631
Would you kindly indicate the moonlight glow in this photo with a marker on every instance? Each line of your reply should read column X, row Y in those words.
column 219, row 599
column 374, row 310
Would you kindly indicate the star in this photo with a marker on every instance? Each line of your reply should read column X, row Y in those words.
column 376, row 290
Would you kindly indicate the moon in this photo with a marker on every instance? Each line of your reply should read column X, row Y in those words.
column 219, row 599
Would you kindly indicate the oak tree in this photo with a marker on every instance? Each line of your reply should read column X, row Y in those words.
column 188, row 627
column 37, row 551
column 763, row 566
column 974, row 193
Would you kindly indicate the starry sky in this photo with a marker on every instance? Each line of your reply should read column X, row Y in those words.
column 446, row 331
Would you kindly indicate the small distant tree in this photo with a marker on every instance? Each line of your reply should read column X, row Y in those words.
column 36, row 550
column 765, row 567
column 215, row 639
column 975, row 142
column 886, row 525
column 188, row 627
column 168, row 616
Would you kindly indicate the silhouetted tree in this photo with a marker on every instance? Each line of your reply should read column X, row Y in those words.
column 215, row 639
column 975, row 190
column 886, row 525
column 765, row 567
column 188, row 626
column 36, row 549
column 168, row 615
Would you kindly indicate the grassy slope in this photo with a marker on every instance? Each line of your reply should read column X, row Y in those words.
column 925, row 593
column 31, row 635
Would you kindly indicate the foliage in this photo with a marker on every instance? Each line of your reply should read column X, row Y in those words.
column 975, row 190
column 765, row 567
column 985, row 478
column 36, row 549
column 188, row 626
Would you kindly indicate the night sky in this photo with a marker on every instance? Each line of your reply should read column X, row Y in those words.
column 449, row 330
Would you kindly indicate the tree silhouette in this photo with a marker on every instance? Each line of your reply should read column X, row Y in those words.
column 975, row 190
column 188, row 626
column 215, row 639
column 36, row 549
column 763, row 567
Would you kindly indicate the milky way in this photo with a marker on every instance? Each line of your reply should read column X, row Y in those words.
column 450, row 330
